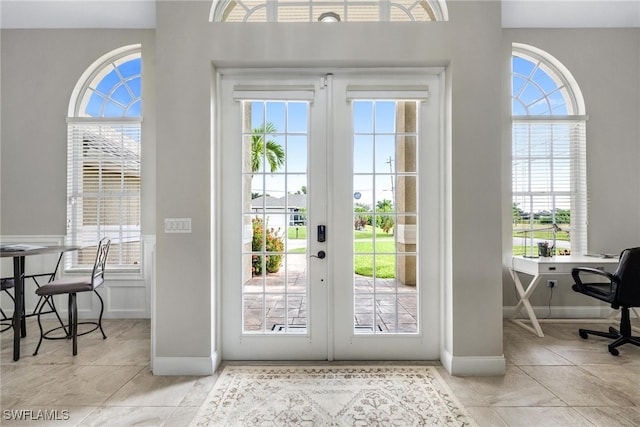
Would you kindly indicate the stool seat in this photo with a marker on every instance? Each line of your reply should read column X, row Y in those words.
column 7, row 284
column 68, row 285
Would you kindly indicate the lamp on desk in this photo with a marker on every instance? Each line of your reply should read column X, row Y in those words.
column 554, row 228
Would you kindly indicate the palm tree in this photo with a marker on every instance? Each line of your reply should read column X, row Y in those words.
column 273, row 151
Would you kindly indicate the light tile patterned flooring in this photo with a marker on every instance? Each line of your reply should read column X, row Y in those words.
column 558, row 380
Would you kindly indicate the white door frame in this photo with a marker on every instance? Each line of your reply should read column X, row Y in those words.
column 340, row 345
column 425, row 345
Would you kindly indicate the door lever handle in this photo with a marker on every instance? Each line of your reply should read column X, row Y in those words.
column 321, row 255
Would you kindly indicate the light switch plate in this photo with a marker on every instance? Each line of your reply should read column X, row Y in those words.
column 177, row 225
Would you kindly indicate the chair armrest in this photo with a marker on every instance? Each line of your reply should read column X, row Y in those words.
column 575, row 273
column 577, row 270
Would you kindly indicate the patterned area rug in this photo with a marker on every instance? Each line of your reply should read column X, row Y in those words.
column 331, row 396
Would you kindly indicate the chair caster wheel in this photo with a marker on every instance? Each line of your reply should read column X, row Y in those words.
column 583, row 334
column 614, row 351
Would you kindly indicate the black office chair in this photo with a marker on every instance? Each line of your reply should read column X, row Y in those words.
column 72, row 286
column 6, row 322
column 622, row 291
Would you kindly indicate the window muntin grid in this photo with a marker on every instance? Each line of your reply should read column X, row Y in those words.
column 386, row 289
column 115, row 89
column 274, row 205
column 104, row 159
column 539, row 88
column 549, row 190
column 313, row 10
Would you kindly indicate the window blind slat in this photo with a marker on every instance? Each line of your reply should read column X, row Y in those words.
column 103, row 191
column 549, row 180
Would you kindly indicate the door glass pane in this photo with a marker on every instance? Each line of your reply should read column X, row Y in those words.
column 385, row 217
column 385, row 154
column 363, row 154
column 274, row 200
column 297, row 153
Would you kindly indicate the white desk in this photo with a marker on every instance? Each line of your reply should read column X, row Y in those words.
column 541, row 268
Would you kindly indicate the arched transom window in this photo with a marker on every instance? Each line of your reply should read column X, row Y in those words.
column 328, row 10
column 114, row 89
column 103, row 160
column 549, row 178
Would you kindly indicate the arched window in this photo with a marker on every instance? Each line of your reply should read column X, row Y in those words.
column 103, row 160
column 549, row 179
column 328, row 10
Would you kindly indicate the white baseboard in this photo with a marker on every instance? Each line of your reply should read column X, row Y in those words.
column 561, row 312
column 485, row 366
column 186, row 365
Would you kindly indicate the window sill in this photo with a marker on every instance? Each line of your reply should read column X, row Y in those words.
column 119, row 274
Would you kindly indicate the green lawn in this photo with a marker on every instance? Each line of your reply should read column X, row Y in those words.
column 545, row 234
column 363, row 247
column 297, row 232
column 385, row 243
column 385, row 266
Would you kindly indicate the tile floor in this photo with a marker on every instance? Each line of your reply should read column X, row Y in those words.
column 558, row 380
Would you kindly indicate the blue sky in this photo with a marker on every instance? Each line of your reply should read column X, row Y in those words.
column 530, row 84
column 118, row 93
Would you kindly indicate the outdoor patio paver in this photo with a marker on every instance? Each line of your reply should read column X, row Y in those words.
column 290, row 282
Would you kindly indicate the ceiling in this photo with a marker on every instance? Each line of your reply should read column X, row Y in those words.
column 78, row 14
column 142, row 13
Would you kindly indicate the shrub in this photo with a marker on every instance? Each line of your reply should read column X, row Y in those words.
column 273, row 243
column 360, row 223
column 386, row 223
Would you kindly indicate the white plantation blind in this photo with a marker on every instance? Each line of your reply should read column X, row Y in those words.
column 103, row 191
column 549, row 182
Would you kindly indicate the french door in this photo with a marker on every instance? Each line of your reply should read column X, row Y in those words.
column 330, row 214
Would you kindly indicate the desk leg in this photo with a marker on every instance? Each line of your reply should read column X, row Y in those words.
column 524, row 301
column 18, row 263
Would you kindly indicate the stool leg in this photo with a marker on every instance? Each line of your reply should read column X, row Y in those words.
column 104, row 337
column 73, row 318
column 41, row 330
column 52, row 305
